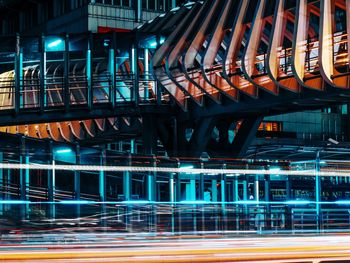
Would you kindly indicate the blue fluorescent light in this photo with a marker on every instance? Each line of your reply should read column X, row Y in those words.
column 76, row 202
column 343, row 202
column 54, row 43
column 64, row 151
column 14, row 202
column 193, row 202
column 187, row 167
column 248, row 202
column 275, row 169
column 154, row 43
column 297, row 202
column 136, row 202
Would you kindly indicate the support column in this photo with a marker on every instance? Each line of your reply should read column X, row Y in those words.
column 77, row 175
column 51, row 175
column 151, row 183
column 138, row 11
column 201, row 184
column 18, row 76
column 24, row 179
column 318, row 189
column 149, row 135
column 192, row 190
column 223, row 188
column 66, row 92
column 245, row 189
column 171, row 188
column 42, row 93
column 135, row 71
column 127, row 182
column 245, row 136
column 102, row 177
column 89, row 72
column 214, row 190
column 267, row 200
column 256, row 188
column 147, row 74
column 112, row 71
column 2, row 184
column 235, row 189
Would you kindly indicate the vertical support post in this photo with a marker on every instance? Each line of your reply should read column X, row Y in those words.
column 147, row 74
column 151, row 182
column 178, row 186
column 89, row 73
column 51, row 175
column 127, row 182
column 77, row 175
column 102, row 177
column 18, row 75
column 256, row 188
column 201, row 184
column 66, row 91
column 138, row 11
column 318, row 189
column 245, row 189
column 235, row 189
column 223, row 186
column 77, row 179
column 135, row 70
column 173, row 4
column 24, row 178
column 42, row 91
column 102, row 188
column 24, row 173
column 112, row 71
column 2, row 184
column 214, row 190
column 171, row 188
column 267, row 200
column 288, row 188
column 192, row 186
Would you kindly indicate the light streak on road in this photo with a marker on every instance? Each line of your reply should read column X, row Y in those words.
column 205, row 249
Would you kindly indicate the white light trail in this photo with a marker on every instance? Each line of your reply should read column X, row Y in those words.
column 228, row 172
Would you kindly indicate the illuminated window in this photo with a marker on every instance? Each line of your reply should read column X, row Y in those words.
column 271, row 126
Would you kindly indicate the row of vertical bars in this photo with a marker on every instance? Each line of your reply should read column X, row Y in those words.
column 19, row 81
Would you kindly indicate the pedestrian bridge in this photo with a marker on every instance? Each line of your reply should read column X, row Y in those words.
column 243, row 59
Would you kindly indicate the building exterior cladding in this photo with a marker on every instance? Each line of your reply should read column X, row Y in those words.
column 56, row 16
